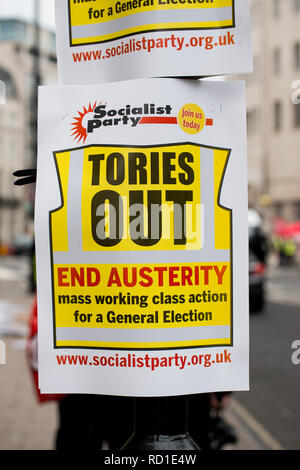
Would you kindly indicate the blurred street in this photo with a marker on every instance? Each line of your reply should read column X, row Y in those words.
column 274, row 379
column 267, row 417
column 24, row 424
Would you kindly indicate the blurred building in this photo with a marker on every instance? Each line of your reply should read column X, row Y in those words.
column 273, row 119
column 22, row 59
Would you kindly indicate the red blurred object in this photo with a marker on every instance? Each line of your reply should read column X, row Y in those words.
column 286, row 230
column 32, row 356
column 259, row 268
column 295, row 229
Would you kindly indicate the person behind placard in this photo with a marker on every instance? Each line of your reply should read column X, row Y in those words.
column 84, row 421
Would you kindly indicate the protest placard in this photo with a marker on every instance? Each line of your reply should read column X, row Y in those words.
column 141, row 229
column 118, row 40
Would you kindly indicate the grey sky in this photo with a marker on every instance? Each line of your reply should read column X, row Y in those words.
column 24, row 9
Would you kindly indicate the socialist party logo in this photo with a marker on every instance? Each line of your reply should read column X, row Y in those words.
column 190, row 118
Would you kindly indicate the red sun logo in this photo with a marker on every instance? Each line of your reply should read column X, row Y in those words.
column 79, row 125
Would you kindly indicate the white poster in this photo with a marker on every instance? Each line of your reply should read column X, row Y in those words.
column 119, row 40
column 142, row 238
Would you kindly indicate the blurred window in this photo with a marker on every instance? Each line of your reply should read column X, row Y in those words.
column 256, row 67
column 252, row 121
column 277, row 61
column 296, row 110
column 297, row 55
column 279, row 209
column 297, row 210
column 297, row 5
column 12, row 30
column 276, row 8
column 277, row 115
column 10, row 87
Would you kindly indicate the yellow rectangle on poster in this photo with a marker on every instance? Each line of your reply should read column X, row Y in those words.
column 145, row 17
column 142, row 297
